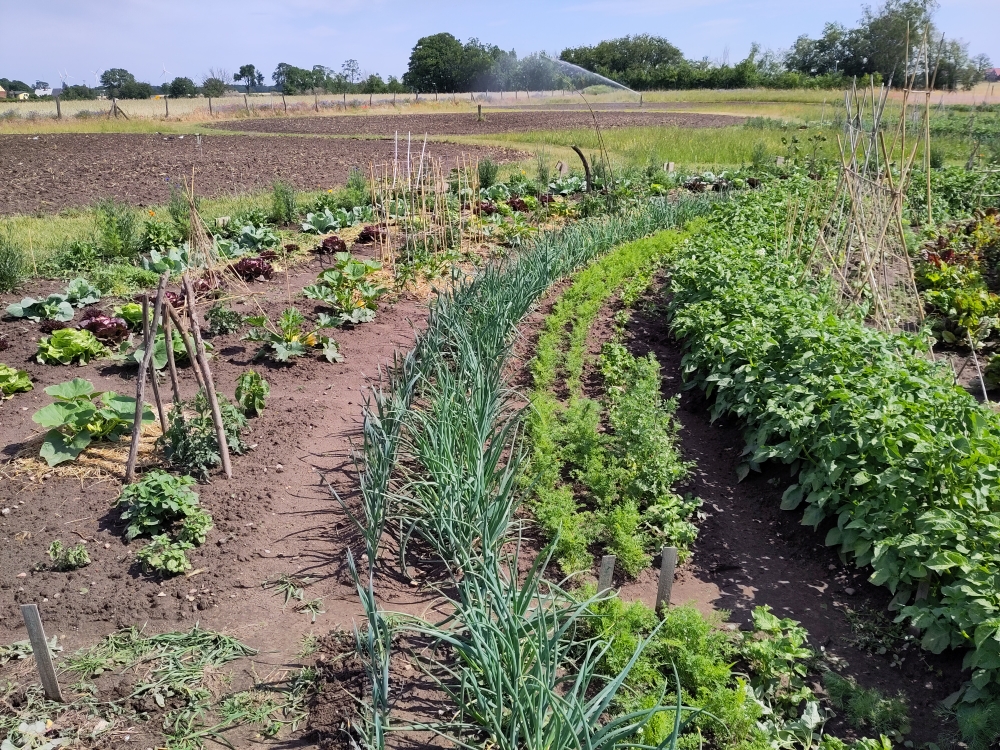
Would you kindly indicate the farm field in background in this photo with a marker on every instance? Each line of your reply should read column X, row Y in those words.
column 434, row 361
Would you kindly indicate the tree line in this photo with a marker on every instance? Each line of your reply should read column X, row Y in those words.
column 885, row 44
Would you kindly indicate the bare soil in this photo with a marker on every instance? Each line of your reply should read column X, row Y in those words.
column 48, row 173
column 276, row 516
column 494, row 121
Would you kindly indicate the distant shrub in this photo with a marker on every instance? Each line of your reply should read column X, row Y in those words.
column 488, row 171
column 283, row 210
column 117, row 229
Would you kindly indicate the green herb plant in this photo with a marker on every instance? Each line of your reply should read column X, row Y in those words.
column 190, row 442
column 222, row 319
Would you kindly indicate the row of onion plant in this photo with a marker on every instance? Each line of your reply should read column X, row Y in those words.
column 439, row 467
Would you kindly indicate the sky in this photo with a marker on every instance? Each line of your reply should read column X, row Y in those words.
column 157, row 41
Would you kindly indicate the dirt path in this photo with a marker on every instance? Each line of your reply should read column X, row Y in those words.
column 275, row 517
column 47, row 173
column 750, row 553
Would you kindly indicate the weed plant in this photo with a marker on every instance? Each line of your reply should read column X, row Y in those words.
column 13, row 267
column 283, row 205
column 117, row 230
column 190, row 442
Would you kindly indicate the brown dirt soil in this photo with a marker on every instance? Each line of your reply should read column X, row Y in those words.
column 275, row 517
column 47, row 173
column 749, row 552
column 495, row 121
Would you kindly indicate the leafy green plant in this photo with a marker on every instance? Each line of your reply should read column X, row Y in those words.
column 173, row 259
column 57, row 307
column 222, row 319
column 290, row 338
column 165, row 555
column 131, row 313
column 68, row 558
column 283, row 208
column 180, row 211
column 159, row 501
column 346, row 287
column 190, row 441
column 13, row 268
column 249, row 240
column 80, row 415
column 330, row 221
column 13, row 381
column 117, row 229
column 69, row 345
column 251, row 392
column 159, row 236
column 159, row 359
column 53, row 307
column 81, row 293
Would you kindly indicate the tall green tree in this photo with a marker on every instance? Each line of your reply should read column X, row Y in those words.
column 213, row 86
column 114, row 79
column 181, row 87
column 435, row 64
column 250, row 77
column 615, row 58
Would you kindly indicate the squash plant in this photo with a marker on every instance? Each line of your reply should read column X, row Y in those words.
column 80, row 415
column 347, row 288
column 290, row 337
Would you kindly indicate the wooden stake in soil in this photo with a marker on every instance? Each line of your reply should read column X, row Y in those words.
column 168, row 339
column 606, row 573
column 140, row 386
column 58, row 108
column 188, row 343
column 206, row 372
column 40, row 648
column 149, row 341
column 666, row 582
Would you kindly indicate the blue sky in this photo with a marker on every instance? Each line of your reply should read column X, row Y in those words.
column 187, row 37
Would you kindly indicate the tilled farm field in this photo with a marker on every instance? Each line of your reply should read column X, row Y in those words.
column 47, row 173
column 502, row 121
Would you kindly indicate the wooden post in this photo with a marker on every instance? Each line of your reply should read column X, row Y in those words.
column 315, row 101
column 640, row 100
column 40, row 648
column 345, row 100
column 479, row 115
column 284, row 104
column 149, row 339
column 166, row 105
column 666, row 582
column 246, row 103
column 206, row 372
column 606, row 573
column 188, row 343
column 168, row 338
column 369, row 100
column 58, row 108
column 140, row 387
column 210, row 112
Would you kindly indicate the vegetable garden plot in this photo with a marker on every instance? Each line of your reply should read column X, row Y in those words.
column 880, row 437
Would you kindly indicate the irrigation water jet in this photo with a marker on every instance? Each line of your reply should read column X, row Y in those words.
column 578, row 73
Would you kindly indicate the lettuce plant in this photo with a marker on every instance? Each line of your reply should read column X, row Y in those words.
column 80, row 415
column 13, row 381
column 69, row 345
column 58, row 307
